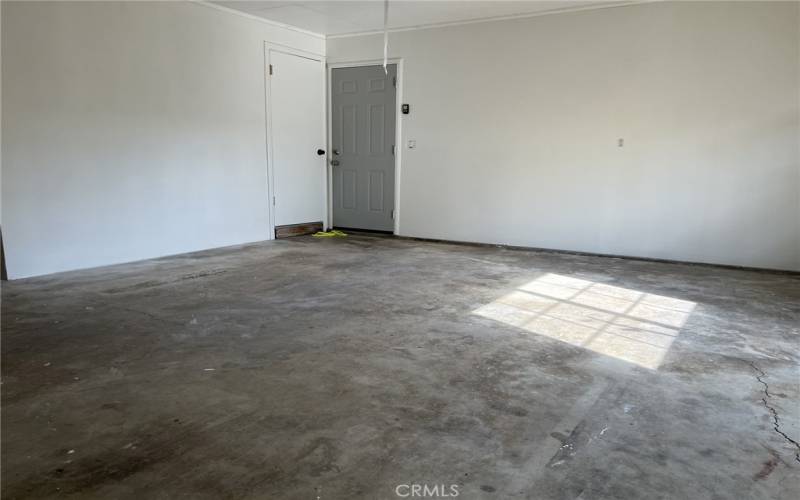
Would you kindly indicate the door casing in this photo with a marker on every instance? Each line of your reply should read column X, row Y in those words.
column 397, row 131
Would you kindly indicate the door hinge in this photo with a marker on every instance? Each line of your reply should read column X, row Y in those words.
column 392, row 214
column 273, row 200
column 270, row 69
column 394, row 81
column 392, row 149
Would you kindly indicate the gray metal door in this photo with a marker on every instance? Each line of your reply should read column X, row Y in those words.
column 364, row 110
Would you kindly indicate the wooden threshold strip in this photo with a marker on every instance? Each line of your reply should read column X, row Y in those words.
column 290, row 230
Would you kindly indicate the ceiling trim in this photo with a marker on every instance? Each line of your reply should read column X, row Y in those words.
column 276, row 24
column 523, row 15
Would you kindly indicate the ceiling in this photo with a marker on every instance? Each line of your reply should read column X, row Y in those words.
column 338, row 17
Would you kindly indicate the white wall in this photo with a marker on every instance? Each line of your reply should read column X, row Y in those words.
column 517, row 122
column 131, row 130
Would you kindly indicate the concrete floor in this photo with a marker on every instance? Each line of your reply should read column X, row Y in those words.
column 310, row 368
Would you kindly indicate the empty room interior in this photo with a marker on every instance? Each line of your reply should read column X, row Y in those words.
column 389, row 249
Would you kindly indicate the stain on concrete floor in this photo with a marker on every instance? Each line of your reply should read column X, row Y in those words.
column 343, row 368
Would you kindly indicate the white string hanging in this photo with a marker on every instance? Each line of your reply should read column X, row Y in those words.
column 385, row 35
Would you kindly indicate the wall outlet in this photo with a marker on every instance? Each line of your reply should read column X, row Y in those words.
column 412, row 144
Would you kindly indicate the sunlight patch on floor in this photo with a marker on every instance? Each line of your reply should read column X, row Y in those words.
column 627, row 324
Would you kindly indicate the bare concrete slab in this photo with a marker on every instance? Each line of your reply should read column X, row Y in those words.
column 346, row 368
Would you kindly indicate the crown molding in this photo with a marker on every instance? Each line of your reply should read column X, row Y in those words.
column 262, row 20
column 523, row 15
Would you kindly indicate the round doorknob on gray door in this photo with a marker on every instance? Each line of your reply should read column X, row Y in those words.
column 320, row 152
column 334, row 162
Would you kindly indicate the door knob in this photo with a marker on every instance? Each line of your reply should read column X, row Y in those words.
column 334, row 162
column 320, row 152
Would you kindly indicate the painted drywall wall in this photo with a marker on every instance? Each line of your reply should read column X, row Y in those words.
column 517, row 124
column 131, row 130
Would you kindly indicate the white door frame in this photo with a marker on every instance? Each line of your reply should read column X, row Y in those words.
column 398, row 149
column 269, row 48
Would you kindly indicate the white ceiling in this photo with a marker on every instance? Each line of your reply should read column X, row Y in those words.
column 337, row 17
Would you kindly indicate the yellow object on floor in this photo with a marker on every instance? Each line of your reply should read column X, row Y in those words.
column 330, row 234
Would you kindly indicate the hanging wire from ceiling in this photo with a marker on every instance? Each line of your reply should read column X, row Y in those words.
column 385, row 35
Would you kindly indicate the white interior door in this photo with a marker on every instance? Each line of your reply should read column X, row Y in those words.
column 297, row 131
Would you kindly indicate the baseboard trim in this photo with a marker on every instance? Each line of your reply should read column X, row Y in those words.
column 289, row 230
column 606, row 255
column 3, row 271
